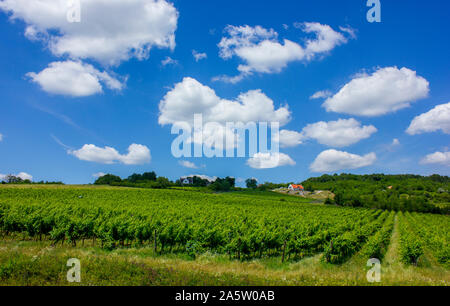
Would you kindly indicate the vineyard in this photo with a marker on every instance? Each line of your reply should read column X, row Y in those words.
column 239, row 226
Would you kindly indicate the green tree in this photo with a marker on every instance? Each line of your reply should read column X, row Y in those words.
column 251, row 183
column 11, row 179
column 108, row 179
column 149, row 176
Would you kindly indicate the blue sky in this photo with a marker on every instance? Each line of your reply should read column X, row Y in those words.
column 40, row 125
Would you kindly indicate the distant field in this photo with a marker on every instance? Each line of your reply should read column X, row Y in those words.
column 127, row 236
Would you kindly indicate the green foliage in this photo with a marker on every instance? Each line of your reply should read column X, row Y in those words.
column 147, row 176
column 329, row 201
column 411, row 247
column 12, row 179
column 225, row 184
column 199, row 182
column 251, row 183
column 389, row 192
column 345, row 245
column 108, row 179
column 377, row 245
column 193, row 248
column 145, row 180
column 433, row 233
column 270, row 186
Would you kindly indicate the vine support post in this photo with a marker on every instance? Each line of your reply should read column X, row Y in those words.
column 284, row 251
column 156, row 243
column 239, row 248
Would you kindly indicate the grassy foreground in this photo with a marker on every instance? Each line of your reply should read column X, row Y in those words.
column 33, row 263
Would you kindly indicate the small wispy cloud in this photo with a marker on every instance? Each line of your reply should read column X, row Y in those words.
column 59, row 116
column 67, row 120
column 56, row 139
column 350, row 31
column 188, row 164
column 321, row 94
column 169, row 61
column 199, row 56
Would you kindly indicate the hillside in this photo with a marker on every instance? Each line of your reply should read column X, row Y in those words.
column 392, row 192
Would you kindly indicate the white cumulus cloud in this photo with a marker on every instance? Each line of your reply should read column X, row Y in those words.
column 74, row 78
column 110, row 31
column 269, row 160
column 436, row 119
column 137, row 154
column 384, row 91
column 441, row 158
column 289, row 138
column 262, row 51
column 340, row 133
column 333, row 160
column 190, row 97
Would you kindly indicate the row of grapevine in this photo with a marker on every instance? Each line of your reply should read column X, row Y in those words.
column 377, row 245
column 411, row 246
column 344, row 246
column 435, row 233
column 307, row 245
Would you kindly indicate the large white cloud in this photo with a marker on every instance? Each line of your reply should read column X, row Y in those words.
column 261, row 50
column 384, row 91
column 137, row 154
column 74, row 78
column 333, row 160
column 441, row 158
column 23, row 175
column 190, row 97
column 340, row 133
column 110, row 31
column 436, row 119
column 269, row 160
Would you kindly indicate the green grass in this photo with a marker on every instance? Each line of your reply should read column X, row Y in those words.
column 34, row 263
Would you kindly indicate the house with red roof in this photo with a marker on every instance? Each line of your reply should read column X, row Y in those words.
column 293, row 187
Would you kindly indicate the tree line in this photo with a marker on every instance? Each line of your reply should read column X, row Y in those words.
column 12, row 179
column 151, row 180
